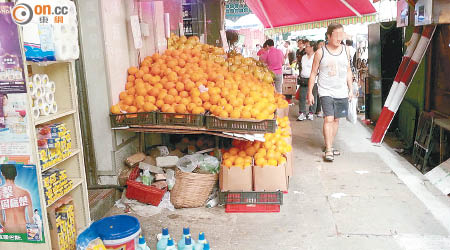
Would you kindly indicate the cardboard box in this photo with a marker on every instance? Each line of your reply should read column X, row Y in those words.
column 289, row 166
column 270, row 178
column 289, row 85
column 236, row 179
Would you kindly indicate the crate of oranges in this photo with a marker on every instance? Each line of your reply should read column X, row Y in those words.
column 236, row 173
column 129, row 119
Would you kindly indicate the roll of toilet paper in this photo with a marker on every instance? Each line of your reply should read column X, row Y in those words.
column 49, row 98
column 31, row 89
column 54, row 108
column 39, row 92
column 36, row 112
column 62, row 51
column 50, row 87
column 45, row 79
column 45, row 109
column 39, row 102
column 37, row 80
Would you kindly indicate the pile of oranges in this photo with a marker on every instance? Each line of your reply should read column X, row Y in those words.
column 241, row 154
column 191, row 77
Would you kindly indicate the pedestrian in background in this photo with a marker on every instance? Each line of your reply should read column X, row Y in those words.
column 334, row 85
column 274, row 59
column 307, row 62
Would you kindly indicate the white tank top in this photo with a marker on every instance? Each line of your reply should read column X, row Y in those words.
column 333, row 74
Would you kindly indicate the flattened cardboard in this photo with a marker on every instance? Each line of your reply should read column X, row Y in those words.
column 270, row 178
column 236, row 179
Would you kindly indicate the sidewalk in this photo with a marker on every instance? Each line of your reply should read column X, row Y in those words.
column 368, row 199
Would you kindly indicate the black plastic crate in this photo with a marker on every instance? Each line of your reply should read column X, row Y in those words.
column 129, row 119
column 228, row 198
column 226, row 124
column 175, row 119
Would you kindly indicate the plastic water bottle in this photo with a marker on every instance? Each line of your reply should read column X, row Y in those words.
column 188, row 243
column 206, row 246
column 170, row 245
column 186, row 232
column 142, row 244
column 201, row 241
column 162, row 243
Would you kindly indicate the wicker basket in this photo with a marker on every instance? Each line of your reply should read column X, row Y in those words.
column 191, row 189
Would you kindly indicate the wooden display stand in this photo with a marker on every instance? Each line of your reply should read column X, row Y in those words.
column 63, row 74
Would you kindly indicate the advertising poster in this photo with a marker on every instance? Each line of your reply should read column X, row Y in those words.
column 12, row 77
column 20, row 207
column 14, row 139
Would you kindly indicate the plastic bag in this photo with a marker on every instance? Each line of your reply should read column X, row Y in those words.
column 352, row 114
column 89, row 240
column 170, row 178
column 210, row 164
column 188, row 163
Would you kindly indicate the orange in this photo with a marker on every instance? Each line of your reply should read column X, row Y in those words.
column 235, row 114
column 141, row 91
column 226, row 155
column 260, row 162
column 131, row 78
column 147, row 77
column 234, row 151
column 179, row 86
column 195, row 92
column 169, row 85
column 169, row 99
column 272, row 162
column 228, row 163
column 204, row 96
column 184, row 94
column 115, row 109
column 246, row 114
column 159, row 103
column 223, row 102
column 161, row 96
column 129, row 100
column 251, row 151
column 197, row 101
column 189, row 86
column 129, row 85
column 239, row 162
column 227, row 107
column 139, row 74
column 150, row 99
column 207, row 105
column 148, row 107
column 242, row 154
column 186, row 101
column 178, row 99
column 132, row 70
column 180, row 108
column 131, row 91
column 165, row 107
column 198, row 110
column 131, row 109
column 190, row 106
column 154, row 92
column 123, row 95
column 173, row 92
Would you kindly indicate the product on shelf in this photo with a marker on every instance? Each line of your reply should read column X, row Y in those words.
column 42, row 91
column 54, row 144
column 65, row 223
column 56, row 184
column 191, row 77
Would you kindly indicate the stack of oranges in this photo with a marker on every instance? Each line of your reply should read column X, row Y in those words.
column 191, row 77
column 284, row 126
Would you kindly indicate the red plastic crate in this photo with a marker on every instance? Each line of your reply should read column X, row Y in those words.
column 143, row 193
column 252, row 208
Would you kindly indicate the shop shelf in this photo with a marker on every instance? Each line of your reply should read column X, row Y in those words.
column 75, row 152
column 49, row 118
column 252, row 208
column 174, row 119
column 76, row 183
column 241, row 125
column 46, row 63
column 253, row 198
column 126, row 120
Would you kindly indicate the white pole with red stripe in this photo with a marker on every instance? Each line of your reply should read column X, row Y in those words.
column 383, row 119
column 407, row 76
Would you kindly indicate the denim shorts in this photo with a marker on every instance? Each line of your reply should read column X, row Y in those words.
column 337, row 107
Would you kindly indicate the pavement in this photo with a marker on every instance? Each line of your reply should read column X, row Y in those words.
column 369, row 198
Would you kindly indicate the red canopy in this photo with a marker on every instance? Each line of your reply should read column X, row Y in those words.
column 288, row 12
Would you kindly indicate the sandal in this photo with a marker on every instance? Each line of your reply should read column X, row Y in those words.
column 335, row 151
column 329, row 156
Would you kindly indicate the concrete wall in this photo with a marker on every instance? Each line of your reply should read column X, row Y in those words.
column 108, row 50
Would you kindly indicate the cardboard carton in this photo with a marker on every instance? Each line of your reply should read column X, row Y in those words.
column 236, row 179
column 270, row 178
column 289, row 86
column 282, row 112
column 289, row 167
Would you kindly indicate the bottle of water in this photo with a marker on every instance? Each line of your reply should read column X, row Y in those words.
column 170, row 245
column 201, row 241
column 188, row 243
column 206, row 246
column 162, row 243
column 186, row 232
column 142, row 244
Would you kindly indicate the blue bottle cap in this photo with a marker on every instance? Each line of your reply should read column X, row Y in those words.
column 165, row 231
column 187, row 241
column 201, row 236
column 141, row 240
column 170, row 242
column 206, row 245
column 186, row 230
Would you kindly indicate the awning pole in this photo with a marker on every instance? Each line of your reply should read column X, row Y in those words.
column 351, row 8
column 265, row 14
